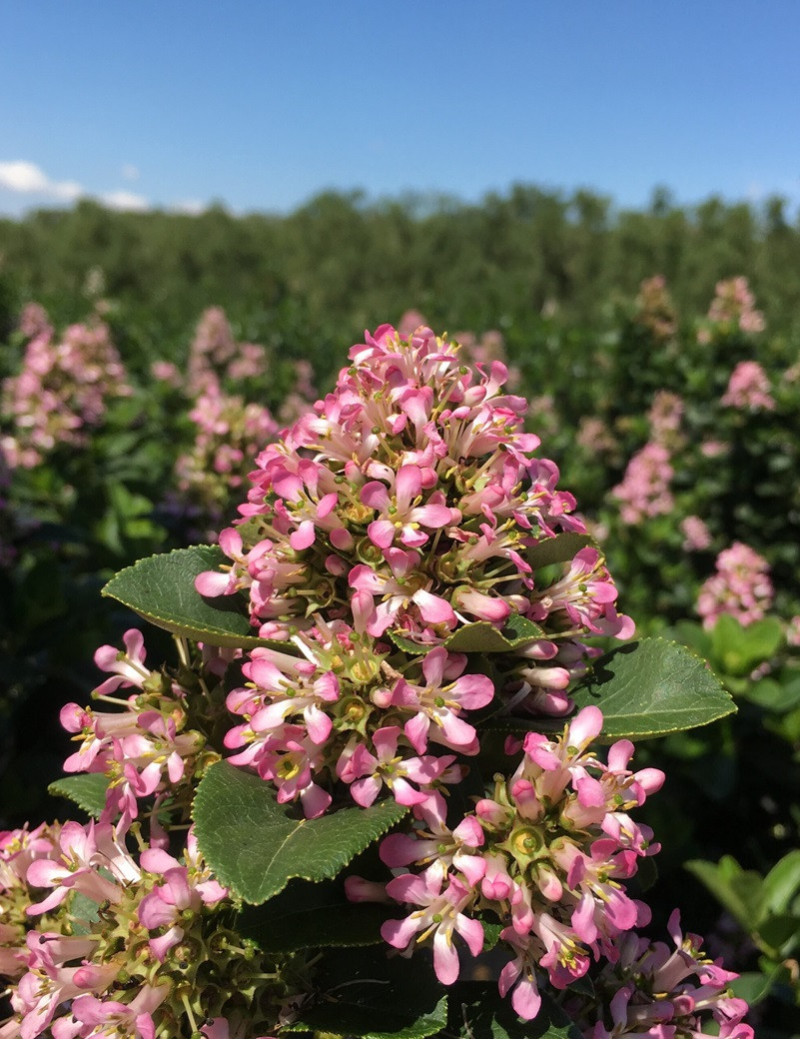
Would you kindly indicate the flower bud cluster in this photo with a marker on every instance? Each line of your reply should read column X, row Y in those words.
column 647, row 990
column 655, row 310
column 749, row 389
column 644, row 491
column 215, row 355
column 741, row 587
column 62, row 389
column 229, row 433
column 546, row 857
column 123, row 946
column 732, row 311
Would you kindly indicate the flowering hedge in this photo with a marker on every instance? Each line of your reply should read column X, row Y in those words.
column 412, row 647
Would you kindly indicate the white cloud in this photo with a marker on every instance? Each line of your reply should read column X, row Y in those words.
column 27, row 178
column 190, row 206
column 124, row 200
column 130, row 172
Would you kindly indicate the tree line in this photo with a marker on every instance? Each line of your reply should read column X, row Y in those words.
column 310, row 280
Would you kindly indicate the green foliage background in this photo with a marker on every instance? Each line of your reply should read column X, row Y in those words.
column 558, row 276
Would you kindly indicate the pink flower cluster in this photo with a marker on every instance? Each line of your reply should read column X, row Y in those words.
column 644, row 491
column 547, row 856
column 145, row 750
column 476, row 351
column 414, row 491
column 648, row 990
column 732, row 310
column 229, row 434
column 112, row 968
column 749, row 389
column 741, row 587
column 665, row 416
column 696, row 535
column 595, row 436
column 214, row 354
column 62, row 390
column 98, row 941
column 406, row 511
column 655, row 310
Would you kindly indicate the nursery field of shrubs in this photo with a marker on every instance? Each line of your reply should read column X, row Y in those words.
column 160, row 371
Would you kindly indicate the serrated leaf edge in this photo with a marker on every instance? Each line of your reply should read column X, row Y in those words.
column 221, row 873
column 56, row 790
column 207, row 635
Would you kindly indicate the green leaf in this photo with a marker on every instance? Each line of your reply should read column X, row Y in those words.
column 653, row 687
column 161, row 589
column 774, row 696
column 739, row 891
column 256, row 847
column 408, row 646
column 484, row 637
column 694, row 636
column 737, row 648
column 779, row 934
column 369, row 995
column 782, row 882
column 88, row 790
column 84, row 913
column 306, row 915
column 753, row 986
column 556, row 550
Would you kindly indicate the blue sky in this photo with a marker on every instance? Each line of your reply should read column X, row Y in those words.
column 259, row 104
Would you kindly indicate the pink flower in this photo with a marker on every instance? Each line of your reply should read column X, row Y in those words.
column 696, row 535
column 438, row 706
column 644, row 491
column 748, row 388
column 441, row 899
column 367, row 773
column 741, row 587
column 732, row 310
column 186, row 889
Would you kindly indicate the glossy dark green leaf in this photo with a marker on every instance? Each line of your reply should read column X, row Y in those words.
column 161, row 589
column 256, row 846
column 653, row 687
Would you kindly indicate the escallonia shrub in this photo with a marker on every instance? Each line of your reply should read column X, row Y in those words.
column 391, row 729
